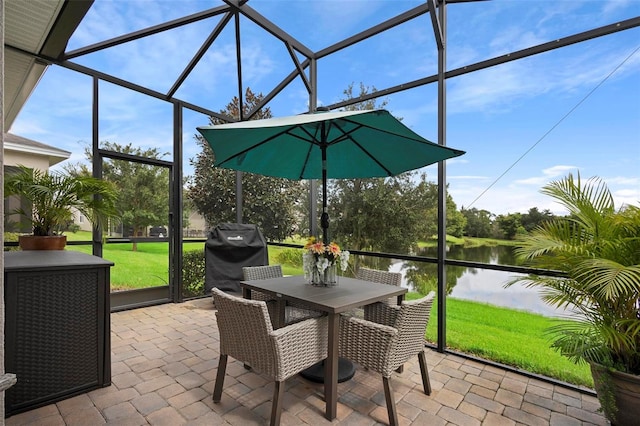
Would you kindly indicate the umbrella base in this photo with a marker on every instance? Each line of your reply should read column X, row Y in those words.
column 315, row 373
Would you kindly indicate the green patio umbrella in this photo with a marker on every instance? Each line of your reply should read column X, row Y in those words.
column 323, row 145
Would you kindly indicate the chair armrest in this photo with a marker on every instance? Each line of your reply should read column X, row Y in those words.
column 7, row 380
column 366, row 343
column 382, row 313
column 300, row 345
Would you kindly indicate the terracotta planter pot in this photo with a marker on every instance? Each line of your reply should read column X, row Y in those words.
column 34, row 242
column 626, row 393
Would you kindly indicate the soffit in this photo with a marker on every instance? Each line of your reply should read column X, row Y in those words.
column 34, row 27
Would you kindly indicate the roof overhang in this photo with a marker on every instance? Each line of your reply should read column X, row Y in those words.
column 32, row 28
column 18, row 144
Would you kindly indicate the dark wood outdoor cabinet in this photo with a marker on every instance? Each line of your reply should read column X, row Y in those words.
column 57, row 326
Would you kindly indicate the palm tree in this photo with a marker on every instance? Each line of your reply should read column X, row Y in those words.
column 598, row 249
column 54, row 196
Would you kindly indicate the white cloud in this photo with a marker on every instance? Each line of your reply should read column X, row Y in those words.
column 513, row 38
column 522, row 194
column 548, row 175
column 500, row 198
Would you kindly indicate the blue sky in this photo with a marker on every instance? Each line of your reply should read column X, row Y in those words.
column 522, row 124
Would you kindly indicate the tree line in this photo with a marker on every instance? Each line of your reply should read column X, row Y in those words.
column 484, row 224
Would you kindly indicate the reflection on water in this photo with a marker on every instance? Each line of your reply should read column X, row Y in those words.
column 481, row 285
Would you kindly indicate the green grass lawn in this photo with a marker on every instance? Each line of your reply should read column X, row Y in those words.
column 507, row 336
column 503, row 335
column 148, row 266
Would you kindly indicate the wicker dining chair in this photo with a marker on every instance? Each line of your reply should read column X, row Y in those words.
column 293, row 312
column 393, row 336
column 246, row 334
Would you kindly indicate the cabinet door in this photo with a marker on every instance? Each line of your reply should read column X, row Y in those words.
column 54, row 341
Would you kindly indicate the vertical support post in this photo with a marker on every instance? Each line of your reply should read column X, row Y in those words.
column 175, row 209
column 442, row 181
column 313, row 184
column 2, row 206
column 96, row 160
column 239, row 198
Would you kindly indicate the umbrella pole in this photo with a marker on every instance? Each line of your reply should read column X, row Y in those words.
column 324, row 219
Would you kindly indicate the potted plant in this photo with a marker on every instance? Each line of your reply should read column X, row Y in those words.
column 597, row 248
column 53, row 197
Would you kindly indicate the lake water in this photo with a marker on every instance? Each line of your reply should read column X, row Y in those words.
column 481, row 285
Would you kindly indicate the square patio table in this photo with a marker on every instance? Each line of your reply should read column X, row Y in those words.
column 348, row 294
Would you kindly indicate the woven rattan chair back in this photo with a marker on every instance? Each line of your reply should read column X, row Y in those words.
column 261, row 272
column 241, row 321
column 266, row 272
column 377, row 276
column 411, row 323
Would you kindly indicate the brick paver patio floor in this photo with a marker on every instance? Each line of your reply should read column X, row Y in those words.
column 164, row 363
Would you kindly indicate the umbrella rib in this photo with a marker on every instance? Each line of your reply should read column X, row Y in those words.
column 312, row 141
column 347, row 135
column 244, row 151
column 269, row 139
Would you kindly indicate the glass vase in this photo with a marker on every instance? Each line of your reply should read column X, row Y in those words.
column 327, row 278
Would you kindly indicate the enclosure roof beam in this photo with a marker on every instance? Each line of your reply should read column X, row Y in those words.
column 147, row 32
column 541, row 48
column 377, row 29
column 269, row 26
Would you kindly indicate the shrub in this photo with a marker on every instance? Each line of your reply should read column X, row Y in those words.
column 11, row 237
column 193, row 271
column 290, row 256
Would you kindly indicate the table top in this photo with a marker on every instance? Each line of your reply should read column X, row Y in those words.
column 30, row 260
column 348, row 294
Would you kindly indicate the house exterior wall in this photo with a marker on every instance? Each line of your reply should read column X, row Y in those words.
column 197, row 226
column 33, row 161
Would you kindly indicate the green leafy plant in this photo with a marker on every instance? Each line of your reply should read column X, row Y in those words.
column 597, row 248
column 193, row 273
column 54, row 196
column 290, row 256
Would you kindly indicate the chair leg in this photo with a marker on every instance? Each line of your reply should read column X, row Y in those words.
column 426, row 383
column 222, row 369
column 276, row 406
column 391, row 403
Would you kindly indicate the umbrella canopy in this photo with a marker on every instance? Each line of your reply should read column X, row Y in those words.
column 323, row 145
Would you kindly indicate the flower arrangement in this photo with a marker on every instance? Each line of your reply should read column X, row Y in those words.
column 320, row 261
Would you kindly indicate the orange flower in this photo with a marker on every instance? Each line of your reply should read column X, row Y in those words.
column 333, row 249
column 316, row 248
